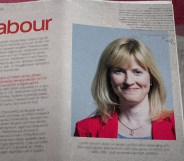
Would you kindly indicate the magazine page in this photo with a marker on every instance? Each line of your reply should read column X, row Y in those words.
column 30, row 81
column 113, row 114
column 49, row 56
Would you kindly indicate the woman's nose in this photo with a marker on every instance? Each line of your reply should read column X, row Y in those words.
column 129, row 79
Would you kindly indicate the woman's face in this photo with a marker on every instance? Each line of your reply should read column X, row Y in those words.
column 130, row 82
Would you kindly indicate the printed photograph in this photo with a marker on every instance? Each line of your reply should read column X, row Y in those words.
column 121, row 84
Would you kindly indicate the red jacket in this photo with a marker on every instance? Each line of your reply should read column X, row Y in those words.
column 162, row 129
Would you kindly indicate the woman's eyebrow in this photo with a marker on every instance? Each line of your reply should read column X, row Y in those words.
column 137, row 68
column 119, row 68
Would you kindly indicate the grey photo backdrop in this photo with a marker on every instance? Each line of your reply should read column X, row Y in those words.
column 88, row 43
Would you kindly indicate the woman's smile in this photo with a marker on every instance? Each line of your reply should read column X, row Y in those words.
column 130, row 90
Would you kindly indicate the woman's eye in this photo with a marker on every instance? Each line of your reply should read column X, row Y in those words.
column 137, row 72
column 118, row 71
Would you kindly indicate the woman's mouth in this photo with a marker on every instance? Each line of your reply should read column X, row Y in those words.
column 129, row 89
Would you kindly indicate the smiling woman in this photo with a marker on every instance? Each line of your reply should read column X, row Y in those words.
column 130, row 95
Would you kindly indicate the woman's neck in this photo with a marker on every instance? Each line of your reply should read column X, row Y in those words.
column 135, row 114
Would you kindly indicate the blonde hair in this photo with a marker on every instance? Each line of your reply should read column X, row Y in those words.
column 115, row 54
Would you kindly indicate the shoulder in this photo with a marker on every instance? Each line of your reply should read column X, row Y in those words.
column 166, row 118
column 95, row 127
column 88, row 126
column 88, row 122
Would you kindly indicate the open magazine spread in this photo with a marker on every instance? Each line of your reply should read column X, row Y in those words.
column 49, row 52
